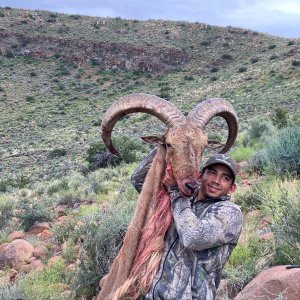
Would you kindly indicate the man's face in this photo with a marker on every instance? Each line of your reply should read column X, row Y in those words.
column 216, row 181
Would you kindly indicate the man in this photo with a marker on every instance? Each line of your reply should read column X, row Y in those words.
column 205, row 230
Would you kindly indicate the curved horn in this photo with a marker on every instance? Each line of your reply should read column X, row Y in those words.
column 210, row 108
column 158, row 107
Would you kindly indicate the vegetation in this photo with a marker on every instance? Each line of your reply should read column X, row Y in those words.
column 54, row 167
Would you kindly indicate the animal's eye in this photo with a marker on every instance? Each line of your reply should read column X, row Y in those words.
column 168, row 145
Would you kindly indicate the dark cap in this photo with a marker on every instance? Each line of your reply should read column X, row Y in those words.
column 224, row 160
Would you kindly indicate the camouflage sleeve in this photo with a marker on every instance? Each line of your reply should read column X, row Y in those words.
column 139, row 174
column 221, row 224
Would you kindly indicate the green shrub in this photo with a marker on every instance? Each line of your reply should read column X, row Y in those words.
column 242, row 153
column 17, row 182
column 282, row 154
column 242, row 69
column 280, row 117
column 258, row 131
column 46, row 284
column 246, row 261
column 30, row 99
column 254, row 60
column 12, row 291
column 214, row 69
column 280, row 200
column 103, row 233
column 164, row 91
column 188, row 77
column 7, row 205
column 57, row 153
column 274, row 56
column 65, row 231
column 30, row 209
column 130, row 151
column 249, row 199
column 226, row 56
column 296, row 63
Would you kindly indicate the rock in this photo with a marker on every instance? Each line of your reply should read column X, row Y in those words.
column 273, row 283
column 45, row 234
column 36, row 265
column 17, row 235
column 40, row 251
column 38, row 228
column 16, row 254
column 2, row 246
column 53, row 248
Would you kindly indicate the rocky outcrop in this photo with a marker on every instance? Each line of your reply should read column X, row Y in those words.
column 107, row 56
column 16, row 254
column 275, row 283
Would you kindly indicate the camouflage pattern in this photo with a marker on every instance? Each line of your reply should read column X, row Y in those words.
column 198, row 244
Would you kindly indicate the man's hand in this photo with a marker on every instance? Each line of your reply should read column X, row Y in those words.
column 169, row 178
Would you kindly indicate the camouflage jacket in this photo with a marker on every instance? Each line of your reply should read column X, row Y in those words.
column 198, row 244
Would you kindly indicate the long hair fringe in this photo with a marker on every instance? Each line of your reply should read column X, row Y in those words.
column 149, row 252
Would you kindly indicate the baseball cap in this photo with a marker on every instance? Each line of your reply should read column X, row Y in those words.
column 224, row 160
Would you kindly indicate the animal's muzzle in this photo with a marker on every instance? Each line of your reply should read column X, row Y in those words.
column 191, row 186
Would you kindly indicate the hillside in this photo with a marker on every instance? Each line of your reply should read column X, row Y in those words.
column 59, row 74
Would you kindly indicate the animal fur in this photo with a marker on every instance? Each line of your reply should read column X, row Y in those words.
column 123, row 263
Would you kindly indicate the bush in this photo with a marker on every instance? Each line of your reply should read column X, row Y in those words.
column 282, row 154
column 6, row 210
column 103, row 234
column 57, row 153
column 214, row 69
column 31, row 209
column 226, row 56
column 65, row 230
column 248, row 258
column 130, row 151
column 242, row 153
column 258, row 131
column 254, row 60
column 296, row 63
column 280, row 117
column 17, row 182
column 242, row 69
column 280, row 200
column 46, row 284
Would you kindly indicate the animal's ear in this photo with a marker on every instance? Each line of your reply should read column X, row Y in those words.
column 214, row 145
column 154, row 139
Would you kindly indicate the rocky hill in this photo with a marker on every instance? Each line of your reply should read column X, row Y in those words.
column 59, row 73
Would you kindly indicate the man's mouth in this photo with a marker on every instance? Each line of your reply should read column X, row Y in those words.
column 214, row 188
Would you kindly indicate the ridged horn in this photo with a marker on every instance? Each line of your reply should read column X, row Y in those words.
column 153, row 105
column 206, row 110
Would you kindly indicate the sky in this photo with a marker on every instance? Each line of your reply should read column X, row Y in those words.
column 275, row 17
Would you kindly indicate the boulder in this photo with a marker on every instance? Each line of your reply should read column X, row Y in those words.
column 40, row 251
column 45, row 235
column 16, row 254
column 36, row 265
column 17, row 235
column 273, row 283
column 39, row 227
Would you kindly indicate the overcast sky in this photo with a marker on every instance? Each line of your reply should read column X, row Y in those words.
column 275, row 17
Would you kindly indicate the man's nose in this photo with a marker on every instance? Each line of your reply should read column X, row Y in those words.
column 216, row 179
